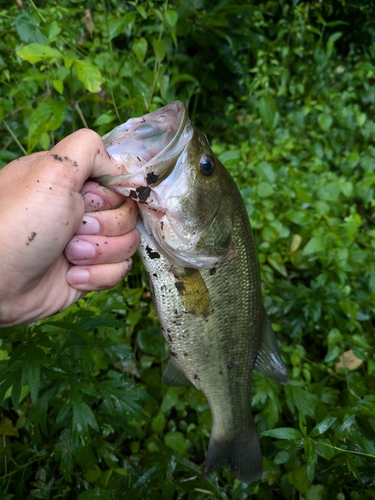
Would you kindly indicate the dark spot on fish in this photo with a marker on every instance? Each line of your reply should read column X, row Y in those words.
column 143, row 193
column 168, row 331
column 170, row 338
column 231, row 365
column 84, row 222
column 98, row 151
column 212, row 271
column 220, row 372
column 66, row 158
column 138, row 158
column 37, row 180
column 174, row 354
column 133, row 194
column 175, row 312
column 151, row 177
column 196, row 376
column 32, row 236
column 185, row 354
column 152, row 254
column 162, row 226
column 155, row 275
column 180, row 286
column 57, row 157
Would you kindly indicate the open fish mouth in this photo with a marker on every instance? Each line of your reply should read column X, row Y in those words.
column 148, row 148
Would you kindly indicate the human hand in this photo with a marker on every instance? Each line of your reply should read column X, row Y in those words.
column 61, row 235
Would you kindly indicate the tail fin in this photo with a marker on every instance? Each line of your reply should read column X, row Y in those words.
column 242, row 453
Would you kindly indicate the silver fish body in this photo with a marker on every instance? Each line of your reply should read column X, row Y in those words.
column 199, row 253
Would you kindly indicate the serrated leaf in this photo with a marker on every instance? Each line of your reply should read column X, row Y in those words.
column 283, row 433
column 36, row 52
column 89, row 75
column 34, row 358
column 27, row 27
column 83, row 418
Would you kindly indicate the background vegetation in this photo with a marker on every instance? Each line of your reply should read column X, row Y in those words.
column 285, row 91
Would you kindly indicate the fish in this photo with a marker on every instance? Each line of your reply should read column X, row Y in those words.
column 200, row 257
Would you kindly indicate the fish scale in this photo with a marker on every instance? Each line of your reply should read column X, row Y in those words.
column 200, row 257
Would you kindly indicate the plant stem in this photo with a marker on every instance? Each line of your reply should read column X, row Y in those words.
column 14, row 137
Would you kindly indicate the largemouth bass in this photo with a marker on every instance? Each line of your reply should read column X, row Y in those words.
column 200, row 257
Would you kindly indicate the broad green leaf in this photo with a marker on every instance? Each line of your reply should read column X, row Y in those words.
column 89, row 75
column 142, row 11
column 176, row 441
column 36, row 52
column 27, row 27
column 158, row 423
column 48, row 116
column 264, row 190
column 325, row 121
column 283, row 433
column 117, row 26
column 314, row 245
column 171, row 16
column 160, row 49
column 298, row 478
column 267, row 110
column 140, row 48
column 58, row 85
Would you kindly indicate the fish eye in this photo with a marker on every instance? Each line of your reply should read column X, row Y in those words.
column 206, row 165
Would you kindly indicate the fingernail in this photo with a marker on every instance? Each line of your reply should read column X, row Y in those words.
column 78, row 276
column 80, row 250
column 89, row 225
column 92, row 201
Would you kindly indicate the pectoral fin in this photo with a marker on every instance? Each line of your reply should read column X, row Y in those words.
column 269, row 362
column 174, row 376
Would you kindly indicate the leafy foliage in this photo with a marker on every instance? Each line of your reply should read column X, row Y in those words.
column 285, row 91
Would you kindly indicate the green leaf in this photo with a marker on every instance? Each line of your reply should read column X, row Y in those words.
column 36, row 52
column 171, row 17
column 160, row 49
column 323, row 426
column 267, row 110
column 83, row 418
column 48, row 116
column 325, row 121
column 314, row 245
column 117, row 26
column 298, row 478
column 27, row 28
column 264, row 190
column 140, row 48
column 176, row 441
column 283, row 433
column 158, row 423
column 89, row 75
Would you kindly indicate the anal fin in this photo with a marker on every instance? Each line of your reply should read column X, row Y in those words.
column 268, row 361
column 174, row 376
